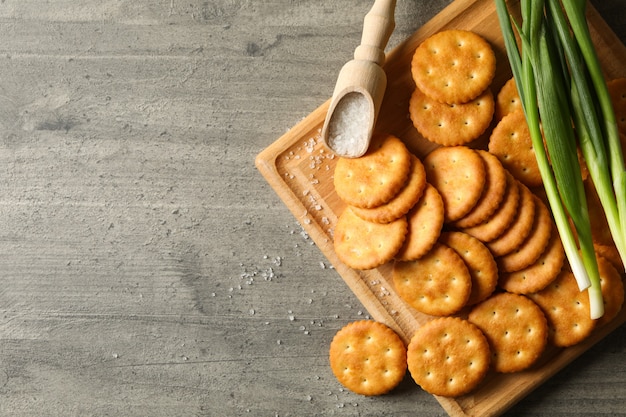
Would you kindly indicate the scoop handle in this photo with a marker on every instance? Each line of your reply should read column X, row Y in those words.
column 378, row 25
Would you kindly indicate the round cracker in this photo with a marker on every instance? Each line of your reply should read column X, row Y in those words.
column 537, row 276
column 451, row 124
column 493, row 192
column 453, row 66
column 617, row 91
column 612, row 288
column 510, row 141
column 600, row 231
column 376, row 177
column 448, row 356
column 516, row 329
column 567, row 310
column 504, row 215
column 399, row 205
column 365, row 245
column 439, row 283
column 534, row 245
column 458, row 173
column 519, row 229
column 479, row 261
column 368, row 358
column 611, row 254
column 425, row 221
column 507, row 100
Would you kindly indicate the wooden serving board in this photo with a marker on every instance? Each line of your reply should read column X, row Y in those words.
column 299, row 168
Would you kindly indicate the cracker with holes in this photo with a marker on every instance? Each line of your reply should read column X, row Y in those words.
column 610, row 253
column 453, row 66
column 516, row 329
column 540, row 274
column 448, row 356
column 479, row 261
column 534, row 244
column 438, row 283
column 368, row 358
column 617, row 91
column 376, row 177
column 567, row 310
column 365, row 245
column 504, row 215
column 612, row 290
column 458, row 173
column 399, row 205
column 451, row 124
column 510, row 141
column 507, row 100
column 425, row 221
column 493, row 192
column 519, row 229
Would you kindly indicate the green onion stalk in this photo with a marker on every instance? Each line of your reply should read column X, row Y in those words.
column 599, row 138
column 544, row 94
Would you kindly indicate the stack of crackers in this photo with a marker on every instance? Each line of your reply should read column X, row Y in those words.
column 470, row 237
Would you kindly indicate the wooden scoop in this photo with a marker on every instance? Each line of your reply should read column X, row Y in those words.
column 360, row 87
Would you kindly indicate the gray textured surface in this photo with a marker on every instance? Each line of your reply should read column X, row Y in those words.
column 147, row 269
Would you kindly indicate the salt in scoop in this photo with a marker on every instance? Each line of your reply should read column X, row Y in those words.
column 360, row 87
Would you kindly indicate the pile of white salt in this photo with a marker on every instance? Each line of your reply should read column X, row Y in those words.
column 348, row 127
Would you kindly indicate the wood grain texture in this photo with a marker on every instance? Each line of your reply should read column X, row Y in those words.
column 147, row 268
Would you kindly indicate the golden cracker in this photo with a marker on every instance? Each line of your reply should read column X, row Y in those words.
column 453, row 66
column 448, row 356
column 458, row 173
column 510, row 141
column 365, row 245
column 504, row 215
column 611, row 254
column 519, row 229
column 376, row 177
column 479, row 261
column 540, row 274
column 493, row 192
column 507, row 100
column 451, row 124
column 516, row 329
column 600, row 231
column 425, row 221
column 402, row 202
column 567, row 310
column 612, row 288
column 368, row 358
column 534, row 245
column 438, row 283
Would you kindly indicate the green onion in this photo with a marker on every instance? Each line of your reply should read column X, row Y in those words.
column 599, row 138
column 541, row 74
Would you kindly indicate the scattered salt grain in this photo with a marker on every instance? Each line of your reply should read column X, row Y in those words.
column 347, row 130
